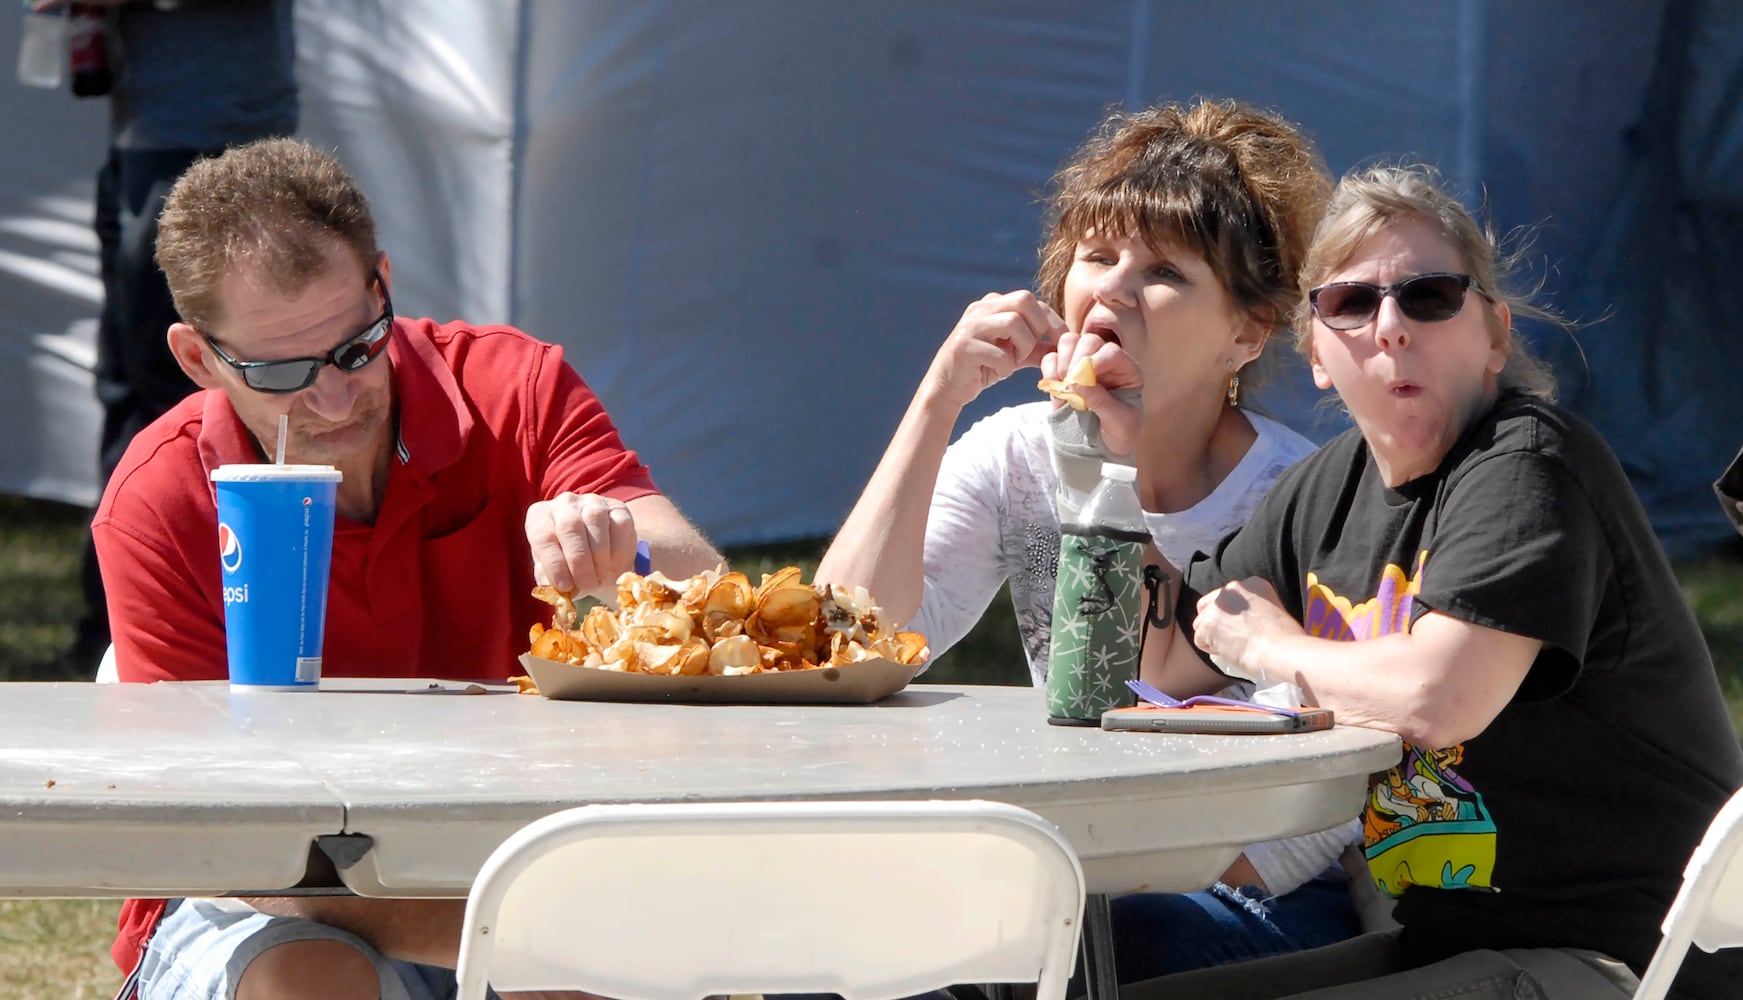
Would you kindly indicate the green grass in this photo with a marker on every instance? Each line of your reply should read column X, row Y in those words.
column 1713, row 586
column 59, row 948
column 39, row 584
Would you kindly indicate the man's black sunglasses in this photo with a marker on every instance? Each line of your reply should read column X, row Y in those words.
column 297, row 374
column 1425, row 298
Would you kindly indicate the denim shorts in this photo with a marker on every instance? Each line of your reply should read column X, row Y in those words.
column 202, row 946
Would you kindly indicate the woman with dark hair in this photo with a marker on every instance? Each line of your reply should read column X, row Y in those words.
column 1173, row 238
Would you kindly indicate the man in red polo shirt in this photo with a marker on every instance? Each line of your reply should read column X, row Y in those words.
column 474, row 460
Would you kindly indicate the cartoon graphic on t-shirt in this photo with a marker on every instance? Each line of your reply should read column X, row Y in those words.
column 1424, row 825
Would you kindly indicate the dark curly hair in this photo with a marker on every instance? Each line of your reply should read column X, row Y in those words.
column 1238, row 186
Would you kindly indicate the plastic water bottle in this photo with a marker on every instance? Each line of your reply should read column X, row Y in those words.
column 1098, row 603
column 88, row 50
column 42, row 48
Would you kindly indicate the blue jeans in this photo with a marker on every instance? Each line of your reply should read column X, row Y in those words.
column 1156, row 934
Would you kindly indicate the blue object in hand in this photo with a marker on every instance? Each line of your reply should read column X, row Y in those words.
column 644, row 558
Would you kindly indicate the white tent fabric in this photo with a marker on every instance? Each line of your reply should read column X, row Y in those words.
column 49, row 290
column 751, row 223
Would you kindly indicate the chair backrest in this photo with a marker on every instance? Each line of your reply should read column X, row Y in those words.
column 107, row 669
column 1708, row 910
column 870, row 900
column 107, row 672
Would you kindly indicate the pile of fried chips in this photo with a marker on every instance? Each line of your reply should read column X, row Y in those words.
column 718, row 624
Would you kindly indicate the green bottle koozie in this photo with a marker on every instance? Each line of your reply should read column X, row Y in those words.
column 1098, row 623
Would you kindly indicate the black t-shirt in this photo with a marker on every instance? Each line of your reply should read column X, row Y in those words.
column 1567, row 822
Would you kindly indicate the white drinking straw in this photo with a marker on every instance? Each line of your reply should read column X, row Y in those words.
column 283, row 428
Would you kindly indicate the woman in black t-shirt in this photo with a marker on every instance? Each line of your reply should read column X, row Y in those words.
column 1470, row 569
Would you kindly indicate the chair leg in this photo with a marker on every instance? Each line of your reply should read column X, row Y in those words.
column 1100, row 979
column 1666, row 962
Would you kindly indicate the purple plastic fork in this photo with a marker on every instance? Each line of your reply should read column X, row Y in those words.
column 1156, row 696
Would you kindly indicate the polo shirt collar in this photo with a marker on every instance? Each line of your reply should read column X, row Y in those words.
column 434, row 420
column 223, row 439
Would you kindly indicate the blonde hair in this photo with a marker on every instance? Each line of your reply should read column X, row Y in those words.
column 1238, row 186
column 1368, row 200
column 276, row 204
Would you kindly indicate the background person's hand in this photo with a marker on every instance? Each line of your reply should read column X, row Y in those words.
column 1233, row 623
column 581, row 543
column 1114, row 369
column 997, row 335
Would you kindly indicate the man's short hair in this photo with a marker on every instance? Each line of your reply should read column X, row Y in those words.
column 276, row 205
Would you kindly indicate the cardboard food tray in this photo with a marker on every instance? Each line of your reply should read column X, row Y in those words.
column 853, row 684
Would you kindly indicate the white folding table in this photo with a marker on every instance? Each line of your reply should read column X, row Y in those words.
column 402, row 788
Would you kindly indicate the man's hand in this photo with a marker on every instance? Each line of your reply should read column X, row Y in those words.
column 995, row 336
column 1114, row 369
column 1233, row 623
column 581, row 543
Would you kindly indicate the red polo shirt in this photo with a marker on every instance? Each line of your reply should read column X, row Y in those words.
column 490, row 420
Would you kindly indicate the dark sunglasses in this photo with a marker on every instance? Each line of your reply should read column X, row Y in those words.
column 297, row 374
column 1425, row 298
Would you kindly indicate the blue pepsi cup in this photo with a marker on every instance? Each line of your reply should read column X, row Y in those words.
column 275, row 550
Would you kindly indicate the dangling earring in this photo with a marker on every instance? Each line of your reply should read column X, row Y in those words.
column 1235, row 389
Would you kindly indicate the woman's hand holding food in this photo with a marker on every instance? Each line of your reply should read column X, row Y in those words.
column 1112, row 368
column 581, row 543
column 997, row 335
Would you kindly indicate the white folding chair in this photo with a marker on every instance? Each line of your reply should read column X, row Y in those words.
column 870, row 900
column 1708, row 910
column 107, row 672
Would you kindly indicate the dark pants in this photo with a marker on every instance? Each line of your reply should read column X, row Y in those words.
column 137, row 378
column 1158, row 934
column 1370, row 967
